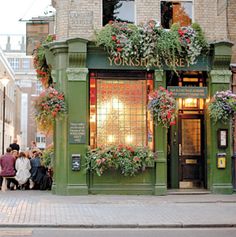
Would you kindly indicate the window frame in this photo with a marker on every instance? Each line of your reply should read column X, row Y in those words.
column 190, row 1
column 135, row 16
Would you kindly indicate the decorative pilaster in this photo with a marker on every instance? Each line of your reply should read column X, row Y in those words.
column 160, row 145
column 219, row 179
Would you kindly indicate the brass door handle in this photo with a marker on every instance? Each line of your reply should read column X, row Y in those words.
column 180, row 149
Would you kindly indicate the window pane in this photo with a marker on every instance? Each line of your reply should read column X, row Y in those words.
column 176, row 12
column 118, row 10
column 191, row 137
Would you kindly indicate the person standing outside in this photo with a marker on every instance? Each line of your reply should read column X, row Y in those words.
column 14, row 145
column 7, row 163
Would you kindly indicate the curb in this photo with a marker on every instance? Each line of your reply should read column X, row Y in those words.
column 119, row 226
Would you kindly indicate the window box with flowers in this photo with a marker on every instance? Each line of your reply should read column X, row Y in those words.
column 162, row 106
column 128, row 160
column 222, row 106
column 152, row 44
column 49, row 105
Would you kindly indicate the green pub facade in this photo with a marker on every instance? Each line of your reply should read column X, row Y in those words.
column 188, row 153
column 107, row 104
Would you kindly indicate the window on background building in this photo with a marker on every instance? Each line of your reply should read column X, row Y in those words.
column 176, row 12
column 26, row 63
column 15, row 63
column 39, row 87
column 118, row 10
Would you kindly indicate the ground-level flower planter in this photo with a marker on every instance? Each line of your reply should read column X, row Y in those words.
column 112, row 182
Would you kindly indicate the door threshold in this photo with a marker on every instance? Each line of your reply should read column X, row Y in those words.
column 184, row 191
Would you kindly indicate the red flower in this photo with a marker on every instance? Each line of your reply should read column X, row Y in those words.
column 169, row 115
column 119, row 49
column 172, row 123
column 113, row 37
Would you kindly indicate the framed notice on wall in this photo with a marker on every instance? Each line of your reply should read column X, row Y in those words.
column 77, row 133
column 222, row 138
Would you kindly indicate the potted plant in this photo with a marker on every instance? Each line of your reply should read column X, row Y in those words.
column 222, row 106
column 151, row 43
column 49, row 105
column 162, row 106
column 129, row 160
column 43, row 69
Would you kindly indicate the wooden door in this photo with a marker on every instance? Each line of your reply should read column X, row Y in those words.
column 191, row 151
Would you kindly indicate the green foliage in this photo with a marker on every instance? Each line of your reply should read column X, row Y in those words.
column 41, row 66
column 47, row 157
column 128, row 159
column 151, row 43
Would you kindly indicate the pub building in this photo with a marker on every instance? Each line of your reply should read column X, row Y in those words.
column 107, row 104
column 108, row 100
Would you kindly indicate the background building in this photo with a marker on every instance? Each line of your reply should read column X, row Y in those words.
column 14, row 48
column 12, row 106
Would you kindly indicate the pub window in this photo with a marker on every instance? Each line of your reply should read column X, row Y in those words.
column 118, row 111
column 180, row 12
column 118, row 10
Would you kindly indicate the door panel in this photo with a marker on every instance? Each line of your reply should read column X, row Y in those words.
column 191, row 159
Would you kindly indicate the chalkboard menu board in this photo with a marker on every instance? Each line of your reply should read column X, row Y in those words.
column 77, row 133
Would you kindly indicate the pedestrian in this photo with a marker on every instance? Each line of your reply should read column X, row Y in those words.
column 32, row 148
column 22, row 170
column 35, row 171
column 14, row 145
column 15, row 153
column 7, row 163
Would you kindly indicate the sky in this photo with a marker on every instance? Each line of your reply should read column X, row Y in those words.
column 13, row 10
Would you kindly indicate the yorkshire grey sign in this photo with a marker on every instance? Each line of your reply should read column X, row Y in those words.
column 188, row 92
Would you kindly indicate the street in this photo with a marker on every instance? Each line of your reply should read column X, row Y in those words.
column 114, row 232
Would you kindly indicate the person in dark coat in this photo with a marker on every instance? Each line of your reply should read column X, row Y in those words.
column 35, row 171
column 14, row 145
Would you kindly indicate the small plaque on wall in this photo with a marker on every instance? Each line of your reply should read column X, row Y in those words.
column 222, row 138
column 77, row 133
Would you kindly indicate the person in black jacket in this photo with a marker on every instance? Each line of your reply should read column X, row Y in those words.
column 14, row 145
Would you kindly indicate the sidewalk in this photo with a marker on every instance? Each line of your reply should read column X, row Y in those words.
column 42, row 209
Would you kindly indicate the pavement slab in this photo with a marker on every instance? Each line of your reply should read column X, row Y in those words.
column 43, row 209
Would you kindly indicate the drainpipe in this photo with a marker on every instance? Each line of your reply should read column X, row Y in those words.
column 233, row 70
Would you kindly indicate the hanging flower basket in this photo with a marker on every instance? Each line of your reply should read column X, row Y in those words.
column 222, row 106
column 49, row 105
column 162, row 106
column 128, row 160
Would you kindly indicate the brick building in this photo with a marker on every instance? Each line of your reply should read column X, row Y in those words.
column 196, row 153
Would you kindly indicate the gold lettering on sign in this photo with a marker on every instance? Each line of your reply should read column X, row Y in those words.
column 135, row 62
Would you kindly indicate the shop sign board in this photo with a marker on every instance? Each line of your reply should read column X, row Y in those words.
column 188, row 92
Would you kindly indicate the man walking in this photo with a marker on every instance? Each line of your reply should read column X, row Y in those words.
column 7, row 163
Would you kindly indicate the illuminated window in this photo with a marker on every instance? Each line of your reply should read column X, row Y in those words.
column 118, row 112
column 118, row 10
column 176, row 12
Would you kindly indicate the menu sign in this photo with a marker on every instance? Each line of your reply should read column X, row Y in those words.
column 188, row 91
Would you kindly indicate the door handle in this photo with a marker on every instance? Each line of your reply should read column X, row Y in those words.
column 180, row 149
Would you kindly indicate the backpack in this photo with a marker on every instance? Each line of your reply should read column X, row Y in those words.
column 46, row 183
